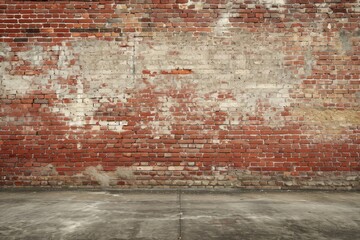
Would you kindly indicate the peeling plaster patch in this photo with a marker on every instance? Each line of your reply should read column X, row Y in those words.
column 121, row 6
column 125, row 173
column 199, row 5
column 275, row 5
column 116, row 126
column 22, row 120
column 107, row 178
column 113, row 123
column 4, row 68
column 248, row 67
column 15, row 84
column 328, row 124
column 345, row 40
column 4, row 50
column 223, row 23
column 162, row 124
column 275, row 2
column 309, row 62
column 48, row 170
column 102, row 71
column 79, row 108
column 228, row 104
column 329, row 118
column 356, row 9
column 105, row 62
column 64, row 66
column 36, row 55
column 160, row 128
column 97, row 174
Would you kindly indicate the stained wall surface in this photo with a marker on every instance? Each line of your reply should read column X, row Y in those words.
column 166, row 93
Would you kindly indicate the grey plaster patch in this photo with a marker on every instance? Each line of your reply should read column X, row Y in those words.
column 48, row 170
column 345, row 40
column 97, row 174
column 109, row 178
column 125, row 173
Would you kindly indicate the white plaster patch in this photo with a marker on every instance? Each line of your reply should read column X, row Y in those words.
column 275, row 5
column 222, row 24
column 227, row 104
column 275, row 2
column 116, row 126
column 246, row 66
column 102, row 71
column 36, row 55
column 198, row 5
column 16, row 84
column 113, row 123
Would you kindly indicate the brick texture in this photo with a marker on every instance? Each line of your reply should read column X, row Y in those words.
column 180, row 93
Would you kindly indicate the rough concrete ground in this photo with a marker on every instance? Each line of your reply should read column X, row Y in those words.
column 179, row 215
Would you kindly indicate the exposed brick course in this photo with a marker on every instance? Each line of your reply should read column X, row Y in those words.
column 179, row 93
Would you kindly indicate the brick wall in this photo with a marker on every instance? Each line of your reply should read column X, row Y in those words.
column 165, row 93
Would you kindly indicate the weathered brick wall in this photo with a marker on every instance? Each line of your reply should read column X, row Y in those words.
column 202, row 93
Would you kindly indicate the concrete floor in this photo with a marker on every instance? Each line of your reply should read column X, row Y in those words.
column 179, row 215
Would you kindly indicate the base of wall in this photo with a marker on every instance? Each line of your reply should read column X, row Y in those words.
column 232, row 179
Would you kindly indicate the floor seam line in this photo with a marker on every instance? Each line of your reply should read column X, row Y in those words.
column 180, row 215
